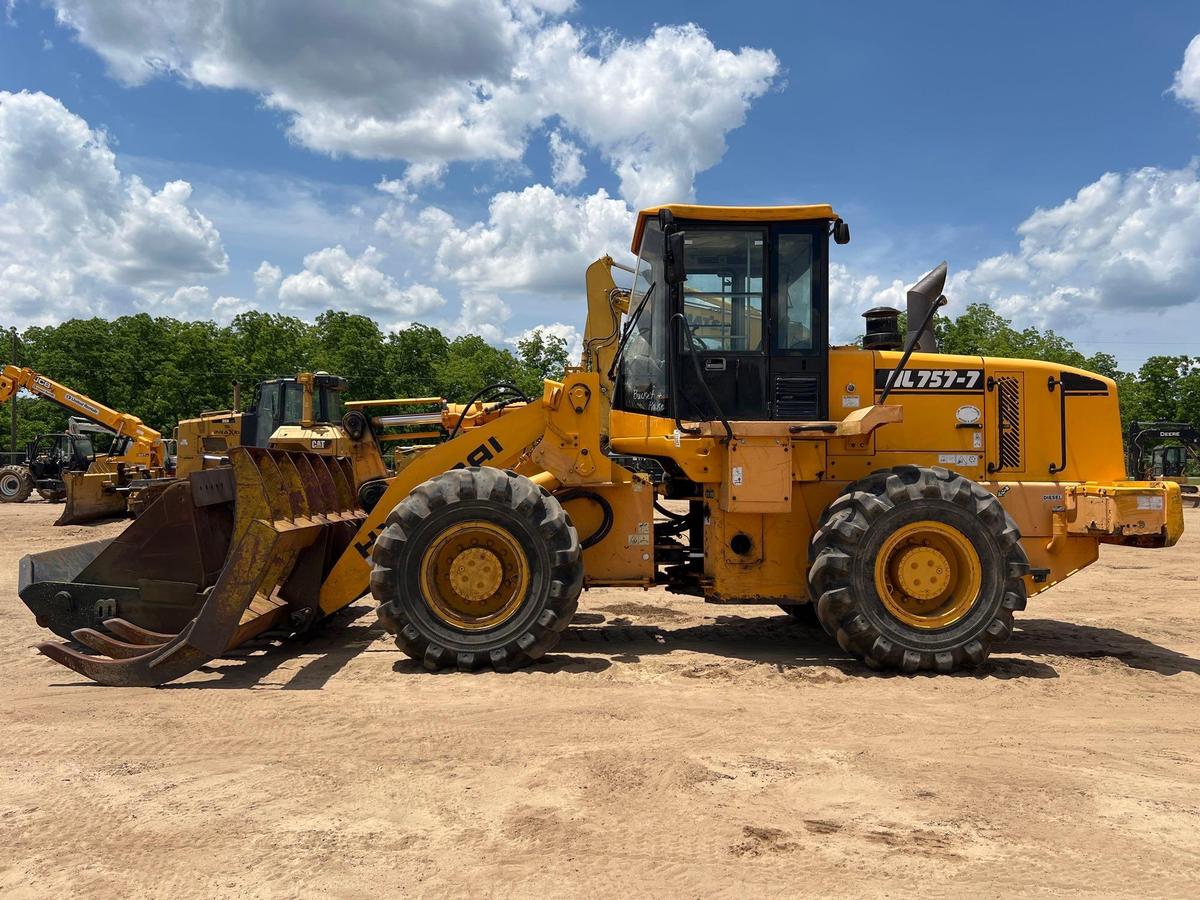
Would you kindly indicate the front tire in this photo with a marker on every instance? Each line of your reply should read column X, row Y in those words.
column 917, row 569
column 477, row 567
column 16, row 484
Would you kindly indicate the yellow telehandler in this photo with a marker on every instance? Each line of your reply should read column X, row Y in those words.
column 911, row 501
column 135, row 453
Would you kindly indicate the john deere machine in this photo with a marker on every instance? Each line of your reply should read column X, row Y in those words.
column 1165, row 451
column 912, row 500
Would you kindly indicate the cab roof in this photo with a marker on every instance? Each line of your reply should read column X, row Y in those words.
column 733, row 214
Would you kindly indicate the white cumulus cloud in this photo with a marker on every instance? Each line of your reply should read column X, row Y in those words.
column 332, row 278
column 566, row 162
column 438, row 81
column 1125, row 242
column 1187, row 80
column 77, row 236
column 482, row 313
column 535, row 240
column 266, row 279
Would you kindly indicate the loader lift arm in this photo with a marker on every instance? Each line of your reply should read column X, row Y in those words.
column 140, row 443
column 295, row 509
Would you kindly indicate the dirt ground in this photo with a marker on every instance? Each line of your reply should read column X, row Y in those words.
column 667, row 747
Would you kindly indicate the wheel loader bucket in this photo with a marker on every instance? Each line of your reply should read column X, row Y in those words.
column 218, row 559
column 90, row 496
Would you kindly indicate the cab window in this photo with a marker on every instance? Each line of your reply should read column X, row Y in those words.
column 794, row 293
column 268, row 414
column 331, row 406
column 723, row 294
column 293, row 403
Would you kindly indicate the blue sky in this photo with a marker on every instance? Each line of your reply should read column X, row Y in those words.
column 938, row 130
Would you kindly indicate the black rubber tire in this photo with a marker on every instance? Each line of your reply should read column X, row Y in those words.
column 52, row 496
column 16, row 484
column 803, row 614
column 845, row 546
column 532, row 516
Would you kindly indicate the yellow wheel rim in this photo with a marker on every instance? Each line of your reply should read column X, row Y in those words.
column 474, row 575
column 928, row 575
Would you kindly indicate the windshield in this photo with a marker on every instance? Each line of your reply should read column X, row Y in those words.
column 642, row 381
column 722, row 297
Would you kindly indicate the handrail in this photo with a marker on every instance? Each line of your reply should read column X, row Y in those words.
column 1052, row 383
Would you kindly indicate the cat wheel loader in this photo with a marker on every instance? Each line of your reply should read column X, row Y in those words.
column 304, row 413
column 913, row 501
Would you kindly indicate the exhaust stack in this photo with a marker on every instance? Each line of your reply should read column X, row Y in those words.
column 921, row 296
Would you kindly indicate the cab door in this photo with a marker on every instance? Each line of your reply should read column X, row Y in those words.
column 723, row 303
column 797, row 328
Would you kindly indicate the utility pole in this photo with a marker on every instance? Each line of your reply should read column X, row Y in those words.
column 12, row 446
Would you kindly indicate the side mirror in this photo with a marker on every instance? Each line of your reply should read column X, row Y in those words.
column 673, row 265
column 841, row 232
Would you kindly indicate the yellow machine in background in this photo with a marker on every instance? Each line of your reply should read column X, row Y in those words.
column 136, row 451
column 305, row 414
column 909, row 501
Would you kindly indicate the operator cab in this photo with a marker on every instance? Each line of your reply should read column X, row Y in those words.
column 1168, row 462
column 731, row 306
column 280, row 401
column 67, row 452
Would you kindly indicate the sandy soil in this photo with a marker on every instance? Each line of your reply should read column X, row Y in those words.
column 667, row 748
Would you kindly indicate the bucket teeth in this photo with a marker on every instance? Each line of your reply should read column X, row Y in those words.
column 284, row 502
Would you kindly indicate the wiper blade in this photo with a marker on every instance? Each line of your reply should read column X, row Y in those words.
column 637, row 314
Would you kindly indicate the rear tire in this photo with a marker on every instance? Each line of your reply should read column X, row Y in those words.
column 477, row 567
column 16, row 484
column 955, row 525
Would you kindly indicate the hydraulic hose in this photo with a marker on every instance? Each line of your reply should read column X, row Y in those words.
column 606, row 510
column 502, row 387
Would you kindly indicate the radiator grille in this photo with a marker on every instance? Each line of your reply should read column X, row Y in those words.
column 1008, row 392
column 797, row 397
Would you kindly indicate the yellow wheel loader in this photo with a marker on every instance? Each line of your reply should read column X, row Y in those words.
column 303, row 413
column 911, row 500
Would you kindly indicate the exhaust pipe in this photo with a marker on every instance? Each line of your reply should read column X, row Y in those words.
column 921, row 296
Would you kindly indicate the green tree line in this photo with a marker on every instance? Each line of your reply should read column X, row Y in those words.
column 164, row 370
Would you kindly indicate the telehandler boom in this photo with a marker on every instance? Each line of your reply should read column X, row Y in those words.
column 135, row 443
column 912, row 501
